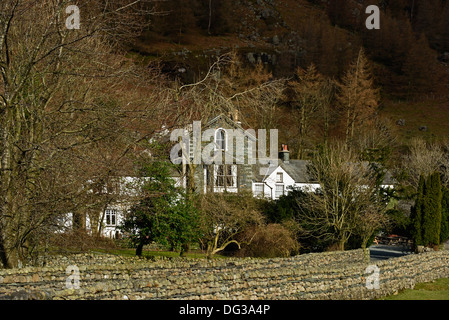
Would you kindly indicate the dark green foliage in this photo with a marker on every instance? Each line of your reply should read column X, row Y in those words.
column 431, row 219
column 284, row 208
column 165, row 215
column 355, row 242
column 416, row 213
column 426, row 214
column 399, row 222
column 444, row 234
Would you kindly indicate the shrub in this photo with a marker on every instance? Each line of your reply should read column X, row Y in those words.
column 269, row 241
column 444, row 234
column 431, row 220
column 78, row 241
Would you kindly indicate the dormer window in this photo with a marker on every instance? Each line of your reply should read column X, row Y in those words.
column 220, row 139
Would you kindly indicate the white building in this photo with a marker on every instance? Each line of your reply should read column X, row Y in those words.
column 285, row 175
column 265, row 181
column 288, row 174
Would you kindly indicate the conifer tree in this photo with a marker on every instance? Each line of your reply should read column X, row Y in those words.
column 444, row 233
column 306, row 94
column 417, row 212
column 431, row 218
column 357, row 97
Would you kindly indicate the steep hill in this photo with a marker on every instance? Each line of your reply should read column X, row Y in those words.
column 409, row 53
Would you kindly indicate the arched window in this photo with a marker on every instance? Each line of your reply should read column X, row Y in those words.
column 220, row 139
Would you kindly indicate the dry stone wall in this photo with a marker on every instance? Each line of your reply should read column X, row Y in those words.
column 329, row 275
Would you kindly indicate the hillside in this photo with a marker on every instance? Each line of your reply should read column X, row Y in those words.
column 409, row 52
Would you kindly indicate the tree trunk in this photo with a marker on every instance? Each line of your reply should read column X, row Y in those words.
column 341, row 241
column 184, row 249
column 302, row 129
column 9, row 255
column 348, row 116
column 366, row 254
column 210, row 17
column 353, row 124
column 139, row 249
column 326, row 126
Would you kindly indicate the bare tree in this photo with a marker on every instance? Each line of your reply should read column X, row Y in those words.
column 61, row 92
column 425, row 158
column 227, row 88
column 369, row 221
column 309, row 93
column 347, row 192
column 224, row 216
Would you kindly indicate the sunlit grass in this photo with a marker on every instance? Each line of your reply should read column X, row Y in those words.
column 435, row 290
column 433, row 114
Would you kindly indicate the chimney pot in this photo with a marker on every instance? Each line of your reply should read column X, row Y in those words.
column 284, row 155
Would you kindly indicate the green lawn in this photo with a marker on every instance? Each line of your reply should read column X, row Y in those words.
column 435, row 290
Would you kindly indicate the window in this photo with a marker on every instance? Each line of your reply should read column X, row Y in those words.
column 279, row 177
column 225, row 176
column 259, row 190
column 279, row 191
column 191, row 154
column 220, row 139
column 111, row 217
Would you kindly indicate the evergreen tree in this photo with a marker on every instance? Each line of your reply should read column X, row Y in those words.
column 417, row 212
column 306, row 94
column 444, row 234
column 431, row 218
column 165, row 214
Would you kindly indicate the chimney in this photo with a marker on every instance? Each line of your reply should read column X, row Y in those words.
column 284, row 155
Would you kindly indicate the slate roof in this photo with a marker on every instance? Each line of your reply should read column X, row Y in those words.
column 222, row 118
column 297, row 169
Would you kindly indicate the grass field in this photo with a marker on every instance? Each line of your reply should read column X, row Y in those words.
column 434, row 114
column 435, row 290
